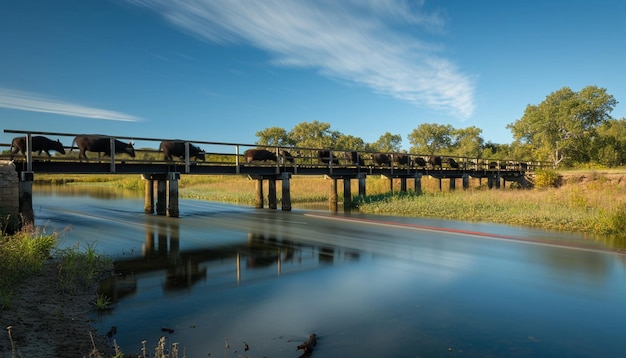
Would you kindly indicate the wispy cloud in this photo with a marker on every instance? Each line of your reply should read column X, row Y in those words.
column 26, row 101
column 379, row 44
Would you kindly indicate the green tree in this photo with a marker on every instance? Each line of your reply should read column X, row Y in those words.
column 386, row 143
column 610, row 144
column 562, row 127
column 313, row 135
column 273, row 136
column 430, row 138
column 349, row 142
column 467, row 142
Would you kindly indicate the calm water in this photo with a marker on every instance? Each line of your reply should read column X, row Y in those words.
column 368, row 286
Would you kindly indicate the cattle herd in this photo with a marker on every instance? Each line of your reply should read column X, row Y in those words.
column 178, row 148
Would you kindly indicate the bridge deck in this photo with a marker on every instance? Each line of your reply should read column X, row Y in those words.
column 256, row 170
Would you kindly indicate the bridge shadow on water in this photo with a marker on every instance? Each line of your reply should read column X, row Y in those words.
column 256, row 256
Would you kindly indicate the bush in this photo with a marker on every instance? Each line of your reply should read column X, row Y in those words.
column 545, row 178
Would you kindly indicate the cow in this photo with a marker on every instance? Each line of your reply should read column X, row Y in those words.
column 39, row 144
column 453, row 164
column 100, row 144
column 381, row 158
column 420, row 162
column 176, row 148
column 355, row 158
column 259, row 154
column 326, row 157
column 401, row 159
column 434, row 161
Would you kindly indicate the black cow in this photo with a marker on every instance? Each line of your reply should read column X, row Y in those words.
column 259, row 154
column 326, row 157
column 355, row 158
column 99, row 144
column 453, row 164
column 401, row 159
column 176, row 148
column 39, row 144
column 434, row 161
column 420, row 162
column 381, row 158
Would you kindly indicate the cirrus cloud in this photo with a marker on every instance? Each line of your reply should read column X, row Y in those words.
column 27, row 101
column 379, row 44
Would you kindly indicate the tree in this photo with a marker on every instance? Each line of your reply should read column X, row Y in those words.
column 430, row 138
column 386, row 143
column 349, row 142
column 467, row 142
column 563, row 126
column 313, row 135
column 609, row 148
column 273, row 136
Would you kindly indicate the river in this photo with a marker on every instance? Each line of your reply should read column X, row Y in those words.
column 367, row 286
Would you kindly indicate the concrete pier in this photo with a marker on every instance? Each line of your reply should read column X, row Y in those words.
column 10, row 198
column 347, row 195
column 286, row 192
column 26, row 198
column 166, row 196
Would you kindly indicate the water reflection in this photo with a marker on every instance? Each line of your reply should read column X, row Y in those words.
column 161, row 251
column 272, row 278
column 95, row 190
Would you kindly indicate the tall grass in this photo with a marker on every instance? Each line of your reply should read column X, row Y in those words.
column 21, row 255
column 592, row 207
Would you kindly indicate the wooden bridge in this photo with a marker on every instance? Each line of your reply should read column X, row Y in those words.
column 228, row 159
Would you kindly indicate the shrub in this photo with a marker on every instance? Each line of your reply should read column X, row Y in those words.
column 545, row 178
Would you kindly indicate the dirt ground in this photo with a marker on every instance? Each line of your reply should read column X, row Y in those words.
column 47, row 323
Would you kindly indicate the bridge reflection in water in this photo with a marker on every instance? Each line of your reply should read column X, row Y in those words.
column 260, row 256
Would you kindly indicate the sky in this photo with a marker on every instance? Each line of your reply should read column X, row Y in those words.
column 222, row 70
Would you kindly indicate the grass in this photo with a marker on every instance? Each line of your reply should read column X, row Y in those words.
column 21, row 255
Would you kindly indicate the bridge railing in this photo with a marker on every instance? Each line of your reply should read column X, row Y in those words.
column 232, row 154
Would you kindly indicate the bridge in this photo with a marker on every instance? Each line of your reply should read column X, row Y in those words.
column 222, row 158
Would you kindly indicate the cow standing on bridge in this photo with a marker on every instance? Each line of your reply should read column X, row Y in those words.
column 420, row 162
column 434, row 161
column 327, row 157
column 381, row 159
column 259, row 155
column 100, row 144
column 355, row 158
column 39, row 144
column 176, row 148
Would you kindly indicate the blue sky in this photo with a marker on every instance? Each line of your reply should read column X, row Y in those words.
column 223, row 70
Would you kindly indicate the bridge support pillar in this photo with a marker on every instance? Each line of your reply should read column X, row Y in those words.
column 452, row 184
column 258, row 197
column 148, row 203
column 161, row 204
column 417, row 184
column 172, row 206
column 26, row 198
column 361, row 178
column 332, row 197
column 272, row 203
column 497, row 177
column 403, row 185
column 286, row 198
column 465, row 181
column 347, row 195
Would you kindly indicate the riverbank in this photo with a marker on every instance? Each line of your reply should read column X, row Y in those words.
column 49, row 310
